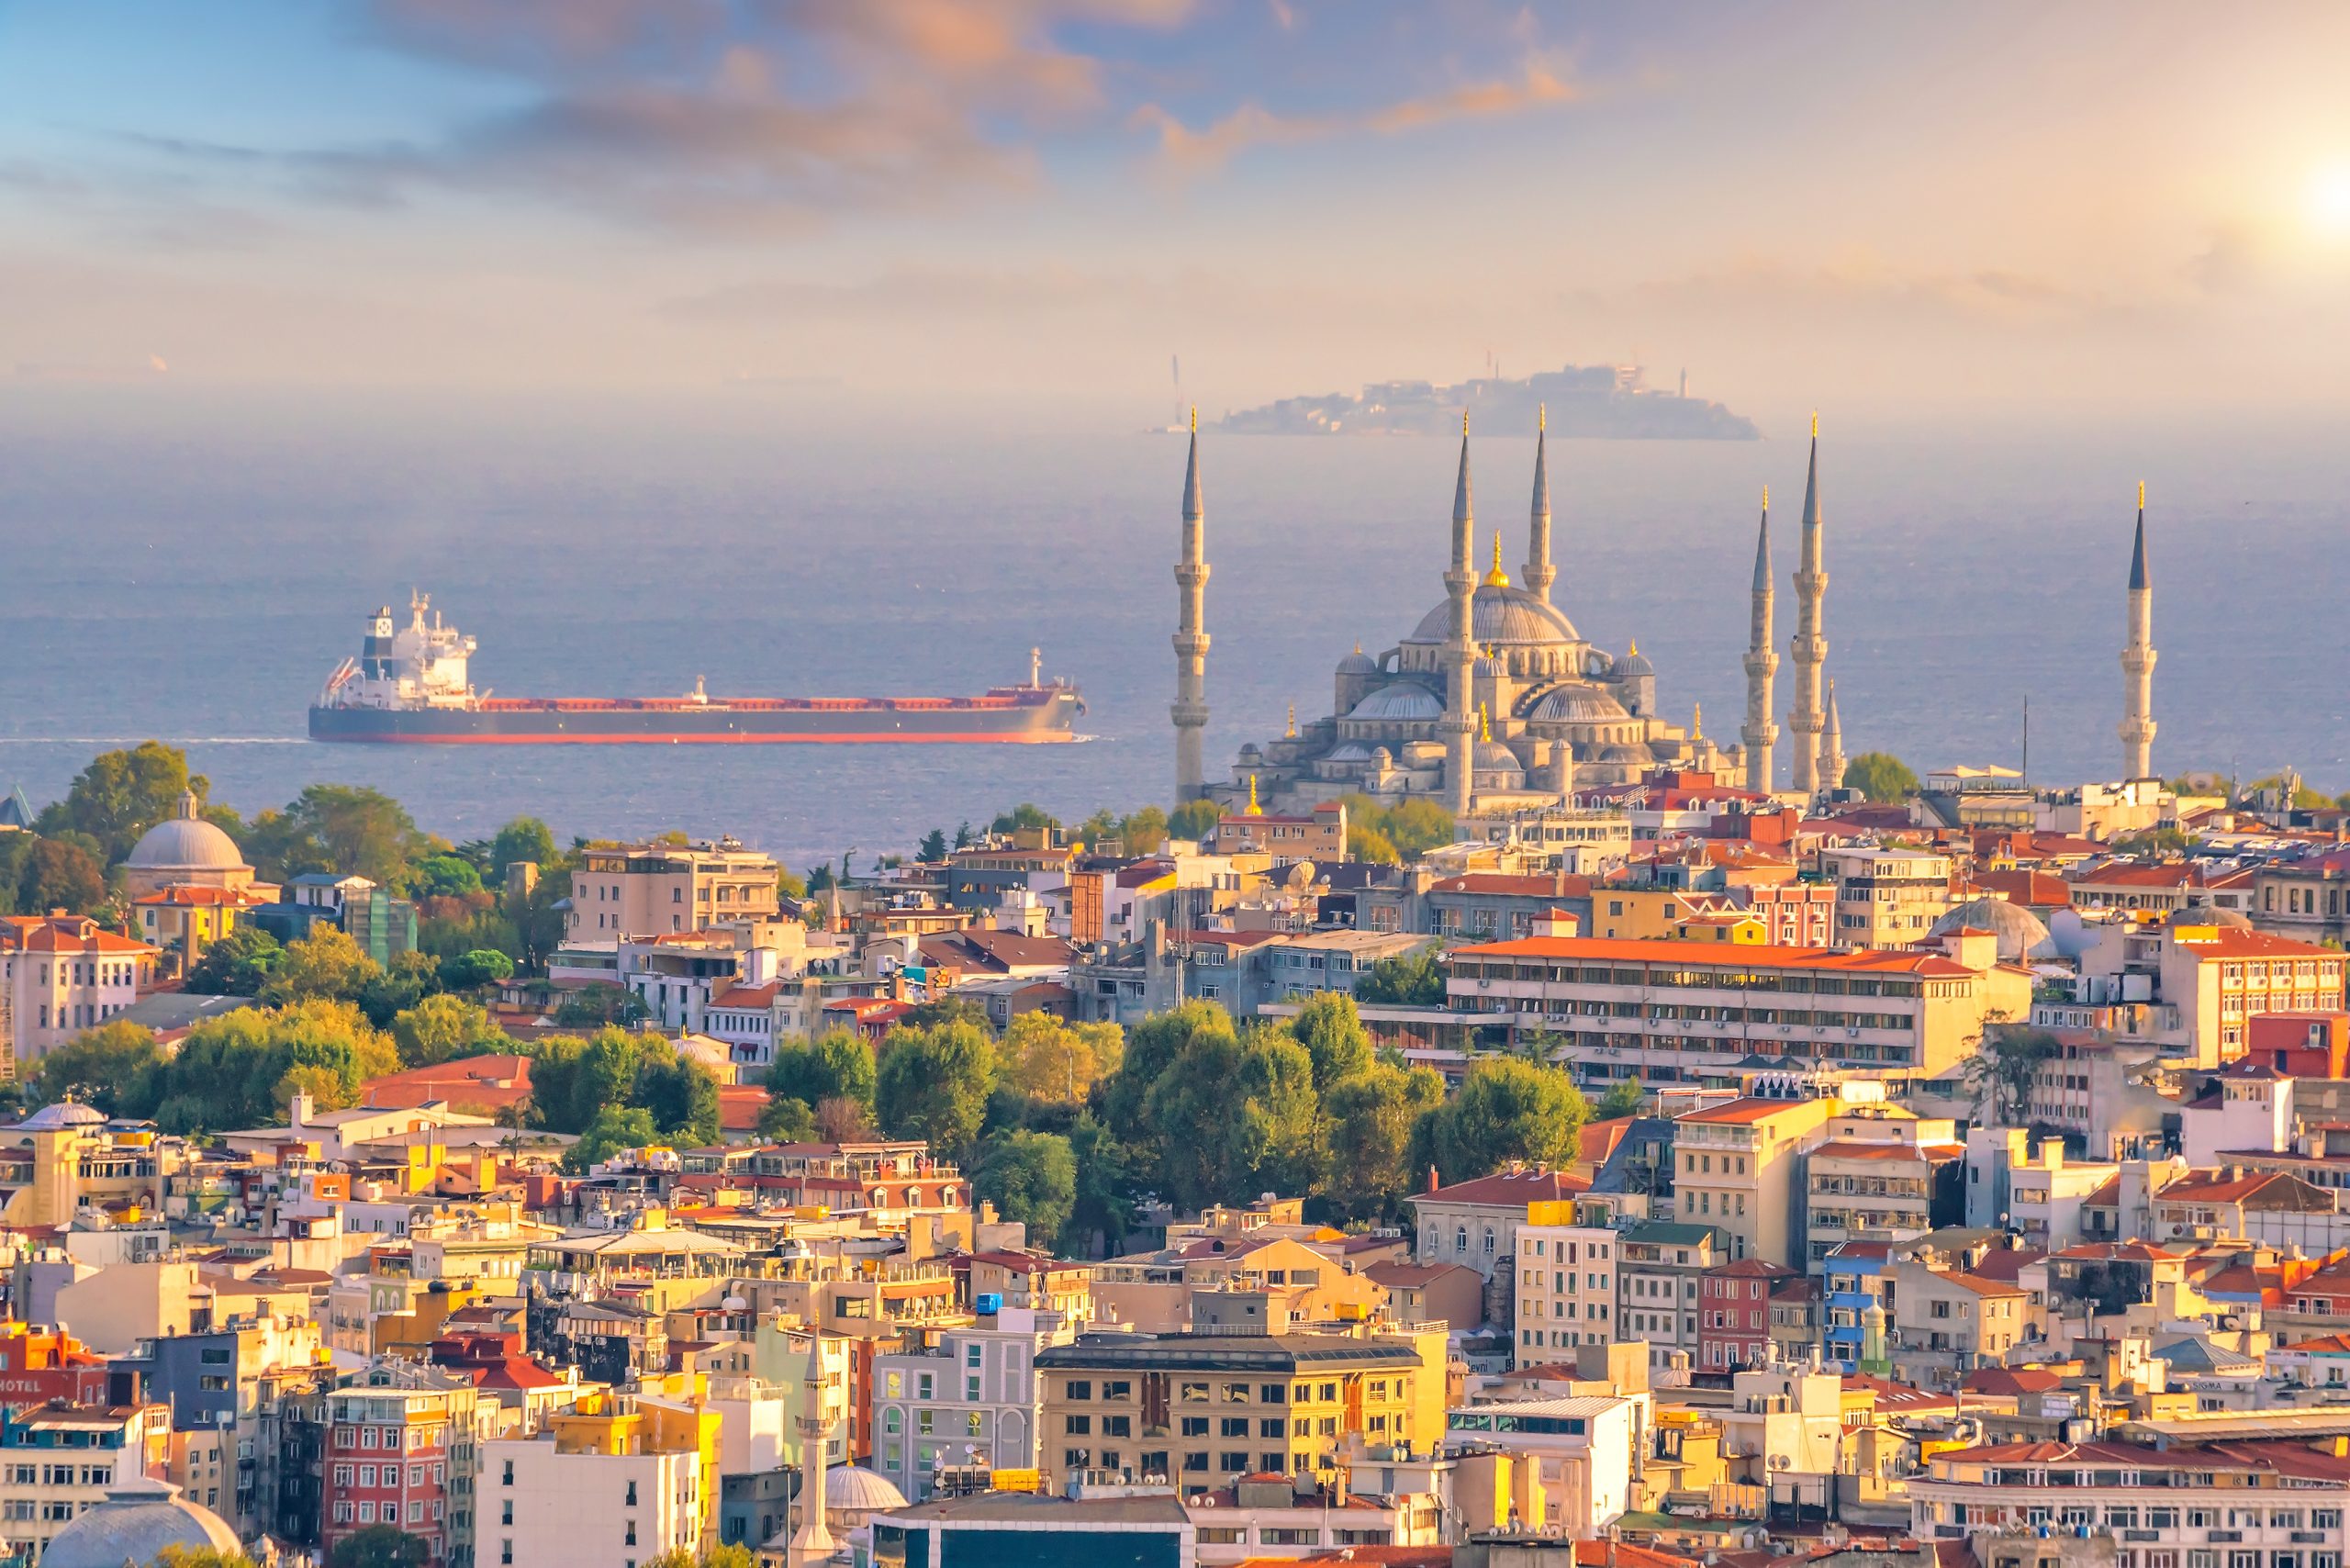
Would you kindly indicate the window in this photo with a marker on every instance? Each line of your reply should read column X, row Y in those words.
column 507, row 1516
column 632, row 1498
column 1236, row 1425
column 629, row 1538
column 509, row 1479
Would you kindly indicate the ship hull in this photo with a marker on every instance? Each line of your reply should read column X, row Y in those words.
column 1030, row 717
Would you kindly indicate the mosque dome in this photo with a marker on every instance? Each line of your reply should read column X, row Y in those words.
column 1352, row 751
column 1491, row 757
column 853, row 1489
column 1578, row 702
column 1403, row 702
column 1636, row 756
column 1358, row 663
column 185, row 841
column 1634, row 663
column 2020, row 933
column 1500, row 614
column 58, row 1117
column 1382, row 759
column 138, row 1522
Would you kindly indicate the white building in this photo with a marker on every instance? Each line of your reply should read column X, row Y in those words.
column 60, row 974
column 543, row 1508
column 973, row 1398
column 1581, row 1450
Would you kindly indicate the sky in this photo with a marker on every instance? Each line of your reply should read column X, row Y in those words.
column 1996, row 206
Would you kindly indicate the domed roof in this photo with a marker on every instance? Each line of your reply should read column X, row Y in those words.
column 64, row 1114
column 138, row 1521
column 1579, row 703
column 853, row 1489
column 1352, row 751
column 1499, row 615
column 1405, row 700
column 1634, row 663
column 1640, row 754
column 1491, row 757
column 2020, row 934
column 185, row 841
column 1358, row 663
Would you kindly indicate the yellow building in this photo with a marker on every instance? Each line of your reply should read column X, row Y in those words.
column 184, row 919
column 63, row 1158
column 1669, row 914
column 1203, row 1409
column 665, row 1415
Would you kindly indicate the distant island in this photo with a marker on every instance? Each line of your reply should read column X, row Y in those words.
column 1605, row 401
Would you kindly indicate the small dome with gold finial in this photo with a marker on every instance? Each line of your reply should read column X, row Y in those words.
column 1634, row 662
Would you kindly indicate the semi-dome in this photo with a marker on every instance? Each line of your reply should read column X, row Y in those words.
column 138, row 1522
column 1491, row 757
column 1579, row 703
column 2020, row 933
column 1404, row 701
column 1350, row 751
column 1499, row 615
column 185, row 841
column 1358, row 663
column 1624, row 754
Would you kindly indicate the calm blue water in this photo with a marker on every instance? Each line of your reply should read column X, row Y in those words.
column 190, row 567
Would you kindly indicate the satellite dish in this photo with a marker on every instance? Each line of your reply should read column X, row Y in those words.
column 1301, row 875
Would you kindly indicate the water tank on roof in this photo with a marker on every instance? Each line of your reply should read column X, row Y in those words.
column 988, row 1304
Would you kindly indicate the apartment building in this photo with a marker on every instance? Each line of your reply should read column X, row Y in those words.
column 2205, row 982
column 552, row 1504
column 1881, row 1174
column 1566, row 1284
column 645, row 890
column 1682, row 1013
column 1203, row 1409
column 1886, row 895
column 58, row 1460
column 1794, row 914
column 1475, row 1223
column 1946, row 1323
column 60, row 974
column 1738, row 1166
column 1657, row 1281
column 1735, row 1313
column 403, row 1448
column 2307, row 900
column 971, row 1397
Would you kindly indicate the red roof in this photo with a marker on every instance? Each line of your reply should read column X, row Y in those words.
column 740, row 1106
column 1510, row 1189
column 747, row 997
column 1853, row 1149
column 486, row 1085
column 1742, row 1112
column 66, row 933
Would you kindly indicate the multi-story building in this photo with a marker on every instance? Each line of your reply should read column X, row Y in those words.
column 1204, row 1408
column 2180, row 1505
column 1679, row 1012
column 1884, row 1177
column 60, row 1459
column 553, row 1502
column 1734, row 1313
column 1886, row 896
column 1945, row 1324
column 62, row 974
column 644, row 890
column 2307, row 900
column 1306, row 965
column 1474, row 1223
column 403, row 1448
column 1658, row 1272
column 1739, row 1167
column 1579, row 1451
column 1566, row 1284
column 1319, row 836
column 1794, row 914
column 972, row 1397
column 2205, row 982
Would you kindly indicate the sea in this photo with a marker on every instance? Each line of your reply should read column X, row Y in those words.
column 189, row 565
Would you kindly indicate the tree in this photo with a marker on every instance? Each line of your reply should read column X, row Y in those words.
column 682, row 1097
column 120, row 795
column 963, row 836
column 442, row 1028
column 1103, row 1200
column 327, row 963
column 524, row 838
column 933, row 1084
column 1331, row 1031
column 1879, row 776
column 1408, row 980
column 1152, row 1046
column 1143, row 830
column 100, row 1067
column 229, row 1070
column 836, row 1064
column 787, row 1121
column 1370, row 845
column 236, row 964
column 1054, row 1062
column 343, row 828
column 1507, row 1109
column 1371, row 1117
column 1026, row 816
column 615, row 1128
column 725, row 1554
column 475, row 970
column 1417, row 826
column 1235, row 1116
column 1625, row 1097
column 1193, row 820
column 178, row 1556
column 933, row 846
column 58, row 875
column 444, row 876
column 379, row 1546
column 600, row 1001
column 1032, row 1179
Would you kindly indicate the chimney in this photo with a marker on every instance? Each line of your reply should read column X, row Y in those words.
column 1432, row 1179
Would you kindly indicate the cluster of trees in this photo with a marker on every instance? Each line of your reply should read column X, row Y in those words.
column 1390, row 834
column 1880, row 776
column 329, row 964
column 1144, row 831
column 1068, row 1127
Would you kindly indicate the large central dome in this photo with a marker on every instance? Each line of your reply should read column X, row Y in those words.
column 1509, row 616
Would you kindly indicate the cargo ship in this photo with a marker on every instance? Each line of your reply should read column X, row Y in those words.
column 408, row 685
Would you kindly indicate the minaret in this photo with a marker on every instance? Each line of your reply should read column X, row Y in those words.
column 1460, row 584
column 1831, row 746
column 1540, row 573
column 1759, row 733
column 2138, row 661
column 1809, row 647
column 1190, row 709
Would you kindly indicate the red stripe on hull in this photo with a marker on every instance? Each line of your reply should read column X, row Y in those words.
column 976, row 738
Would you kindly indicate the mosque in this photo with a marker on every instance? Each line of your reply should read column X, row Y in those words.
column 1495, row 702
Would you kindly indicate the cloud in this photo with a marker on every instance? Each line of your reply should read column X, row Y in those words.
column 546, row 37
column 1252, row 125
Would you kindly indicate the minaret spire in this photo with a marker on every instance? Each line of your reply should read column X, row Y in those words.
column 1461, row 586
column 1759, row 733
column 1540, row 573
column 1810, row 646
column 1831, row 746
column 1190, row 709
column 2138, row 660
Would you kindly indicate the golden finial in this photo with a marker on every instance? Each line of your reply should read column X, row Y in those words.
column 1497, row 578
column 1293, row 721
column 1196, row 418
column 1464, row 422
column 1358, row 644
column 1254, row 809
column 1485, row 724
column 2142, row 495
column 1697, row 720
column 1635, row 651
column 1542, row 416
column 1766, row 497
column 1815, row 424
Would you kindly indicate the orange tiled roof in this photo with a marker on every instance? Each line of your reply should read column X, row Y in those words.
column 1680, row 955
column 68, row 933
